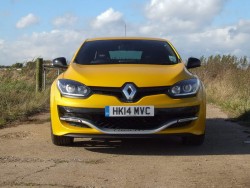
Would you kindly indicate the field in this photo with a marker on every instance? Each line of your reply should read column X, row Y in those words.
column 226, row 79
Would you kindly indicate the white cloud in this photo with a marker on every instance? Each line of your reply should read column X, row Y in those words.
column 1, row 44
column 47, row 45
column 65, row 20
column 188, row 23
column 110, row 16
column 243, row 26
column 214, row 41
column 182, row 15
column 26, row 21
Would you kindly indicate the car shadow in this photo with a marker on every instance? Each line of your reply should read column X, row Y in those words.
column 222, row 137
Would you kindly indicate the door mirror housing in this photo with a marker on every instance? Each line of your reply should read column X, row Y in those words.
column 59, row 62
column 193, row 63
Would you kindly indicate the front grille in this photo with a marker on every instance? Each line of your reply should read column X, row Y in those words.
column 97, row 117
column 140, row 92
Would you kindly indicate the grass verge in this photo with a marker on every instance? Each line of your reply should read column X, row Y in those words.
column 226, row 79
column 18, row 99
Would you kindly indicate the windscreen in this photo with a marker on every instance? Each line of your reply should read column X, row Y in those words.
column 126, row 52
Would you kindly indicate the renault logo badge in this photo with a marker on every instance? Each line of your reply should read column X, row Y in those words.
column 129, row 91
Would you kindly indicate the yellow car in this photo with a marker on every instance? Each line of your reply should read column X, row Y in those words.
column 127, row 88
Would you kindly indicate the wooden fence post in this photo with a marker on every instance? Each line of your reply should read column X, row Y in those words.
column 39, row 74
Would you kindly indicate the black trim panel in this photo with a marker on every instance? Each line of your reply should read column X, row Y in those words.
column 140, row 92
column 175, row 112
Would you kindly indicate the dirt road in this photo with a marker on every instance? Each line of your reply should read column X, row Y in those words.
column 28, row 158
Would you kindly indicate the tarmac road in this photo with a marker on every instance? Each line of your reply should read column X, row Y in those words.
column 28, row 158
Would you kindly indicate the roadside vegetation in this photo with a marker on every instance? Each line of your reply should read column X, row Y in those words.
column 18, row 99
column 227, row 82
column 226, row 78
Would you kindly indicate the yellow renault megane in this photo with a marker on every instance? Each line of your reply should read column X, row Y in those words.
column 126, row 88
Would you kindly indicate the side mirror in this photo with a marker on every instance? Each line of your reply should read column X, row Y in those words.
column 193, row 63
column 59, row 62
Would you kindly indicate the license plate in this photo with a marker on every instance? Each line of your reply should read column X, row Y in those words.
column 129, row 111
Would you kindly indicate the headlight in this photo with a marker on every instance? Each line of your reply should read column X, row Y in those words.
column 185, row 88
column 70, row 88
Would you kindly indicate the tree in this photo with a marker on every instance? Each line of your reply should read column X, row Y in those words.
column 17, row 65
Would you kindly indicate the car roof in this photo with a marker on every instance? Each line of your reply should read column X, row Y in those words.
column 125, row 38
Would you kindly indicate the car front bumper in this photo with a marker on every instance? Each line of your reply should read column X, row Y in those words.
column 86, row 117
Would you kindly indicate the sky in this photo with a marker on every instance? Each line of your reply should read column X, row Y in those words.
column 53, row 28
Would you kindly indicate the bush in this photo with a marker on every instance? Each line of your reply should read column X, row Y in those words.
column 226, row 79
column 18, row 99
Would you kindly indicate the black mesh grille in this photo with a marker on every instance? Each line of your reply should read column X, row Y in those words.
column 162, row 116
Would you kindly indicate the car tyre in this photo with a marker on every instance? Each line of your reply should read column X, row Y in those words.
column 193, row 140
column 61, row 140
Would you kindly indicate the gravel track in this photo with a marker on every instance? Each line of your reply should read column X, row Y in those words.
column 28, row 158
